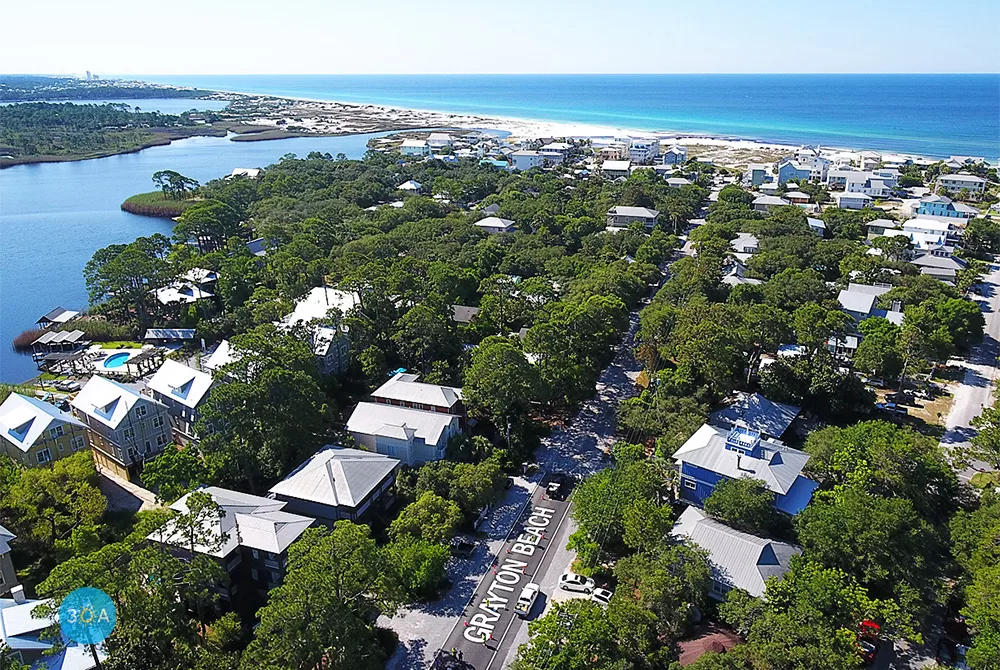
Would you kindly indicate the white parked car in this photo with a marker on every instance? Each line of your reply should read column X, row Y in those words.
column 601, row 596
column 525, row 601
column 578, row 583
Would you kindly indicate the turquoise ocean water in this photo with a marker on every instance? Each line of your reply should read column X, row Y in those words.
column 932, row 114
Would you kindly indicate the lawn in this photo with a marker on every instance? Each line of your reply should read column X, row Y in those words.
column 121, row 344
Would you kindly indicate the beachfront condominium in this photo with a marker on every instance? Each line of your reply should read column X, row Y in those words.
column 126, row 427
column 37, row 433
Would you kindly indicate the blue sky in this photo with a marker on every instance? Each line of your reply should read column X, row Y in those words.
column 514, row 36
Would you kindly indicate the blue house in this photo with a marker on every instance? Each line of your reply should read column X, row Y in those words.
column 792, row 170
column 713, row 454
column 939, row 205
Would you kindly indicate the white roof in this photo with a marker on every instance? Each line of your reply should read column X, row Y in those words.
column 557, row 146
column 770, row 200
column 410, row 185
column 881, row 223
column 23, row 419
column 181, row 383
column 252, row 173
column 678, row 181
column 401, row 423
column 108, row 401
column 707, row 449
column 415, row 143
column 5, row 537
column 738, row 560
column 405, row 387
column 925, row 224
column 760, row 413
column 967, row 178
column 318, row 302
column 439, row 137
column 641, row 212
column 222, row 355
column 616, row 166
column 200, row 275
column 857, row 301
column 182, row 292
column 495, row 222
column 815, row 223
column 248, row 520
column 59, row 315
column 336, row 476
column 851, row 196
column 743, row 241
column 797, row 194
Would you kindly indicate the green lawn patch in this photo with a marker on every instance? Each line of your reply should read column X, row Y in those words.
column 121, row 344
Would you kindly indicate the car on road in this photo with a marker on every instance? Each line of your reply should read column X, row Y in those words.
column 525, row 601
column 557, row 487
column 601, row 596
column 578, row 583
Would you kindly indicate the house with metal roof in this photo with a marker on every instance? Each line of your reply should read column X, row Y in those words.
column 765, row 203
column 962, row 181
column 250, row 539
column 56, row 317
column 735, row 275
column 494, row 225
column 860, row 302
column 771, row 419
column 339, row 483
column 738, row 560
column 675, row 155
column 714, row 454
column 940, row 264
column 624, row 216
column 8, row 576
column 616, row 169
column 852, row 200
column 35, row 432
column 27, row 636
column 410, row 185
column 182, row 389
column 945, row 207
column 412, row 147
column 126, row 427
column 414, row 436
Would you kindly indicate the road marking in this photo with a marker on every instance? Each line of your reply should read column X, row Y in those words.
column 555, row 534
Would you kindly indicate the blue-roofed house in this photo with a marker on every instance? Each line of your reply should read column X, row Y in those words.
column 713, row 454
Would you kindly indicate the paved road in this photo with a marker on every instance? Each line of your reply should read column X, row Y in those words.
column 424, row 629
column 485, row 632
column 976, row 389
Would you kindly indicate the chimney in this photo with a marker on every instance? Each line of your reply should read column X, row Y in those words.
column 17, row 593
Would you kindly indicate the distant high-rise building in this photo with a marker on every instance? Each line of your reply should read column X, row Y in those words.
column 89, row 77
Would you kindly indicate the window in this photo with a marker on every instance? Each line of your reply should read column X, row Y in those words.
column 132, row 453
column 128, row 433
column 141, row 410
column 161, row 440
column 56, row 431
column 254, row 574
column 721, row 589
column 44, row 456
column 690, row 484
column 60, row 445
column 275, row 578
column 157, row 421
column 256, row 555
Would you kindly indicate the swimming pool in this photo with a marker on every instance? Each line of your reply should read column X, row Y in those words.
column 116, row 360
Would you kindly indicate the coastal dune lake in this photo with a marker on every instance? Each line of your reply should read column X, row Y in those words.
column 54, row 216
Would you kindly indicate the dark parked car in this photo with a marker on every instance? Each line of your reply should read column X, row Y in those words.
column 462, row 547
column 558, row 487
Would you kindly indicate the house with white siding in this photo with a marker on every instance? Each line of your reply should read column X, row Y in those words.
column 182, row 390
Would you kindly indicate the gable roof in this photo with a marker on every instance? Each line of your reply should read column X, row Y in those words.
column 779, row 469
column 337, row 476
column 757, row 412
column 5, row 537
column 222, row 355
column 248, row 520
column 108, row 401
column 59, row 315
column 401, row 423
column 169, row 334
column 181, row 383
column 738, row 560
column 406, row 388
column 23, row 419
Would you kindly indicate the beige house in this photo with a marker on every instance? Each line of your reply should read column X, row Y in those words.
column 36, row 433
column 126, row 428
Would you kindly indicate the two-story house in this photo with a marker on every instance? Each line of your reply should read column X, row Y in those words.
column 413, row 147
column 494, row 225
column 675, row 155
column 643, row 151
column 126, row 427
column 8, row 576
column 413, row 436
column 956, row 183
column 765, row 203
column 621, row 216
column 36, row 433
column 250, row 541
column 525, row 159
column 182, row 390
column 338, row 483
column 787, row 170
column 713, row 454
column 403, row 390
column 616, row 169
column 944, row 207
column 330, row 345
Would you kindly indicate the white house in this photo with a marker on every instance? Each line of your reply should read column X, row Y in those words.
column 249, row 173
column 852, row 200
column 494, row 225
column 8, row 575
column 411, row 435
column 744, row 245
column 860, row 302
column 958, row 182
column 415, row 148
column 615, row 169
column 677, row 182
column 182, row 390
column 643, row 151
column 439, row 141
column 738, row 560
column 816, row 225
column 410, row 185
column 525, row 160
